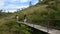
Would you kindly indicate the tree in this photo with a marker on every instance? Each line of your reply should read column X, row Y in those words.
column 1, row 10
column 30, row 4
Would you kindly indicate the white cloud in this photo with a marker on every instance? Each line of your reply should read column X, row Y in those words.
column 1, row 3
column 35, row 2
column 10, row 11
column 13, row 8
column 13, row 0
column 23, row 1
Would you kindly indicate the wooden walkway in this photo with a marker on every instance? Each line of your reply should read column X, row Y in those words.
column 41, row 28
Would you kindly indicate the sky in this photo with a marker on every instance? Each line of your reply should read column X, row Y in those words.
column 12, row 5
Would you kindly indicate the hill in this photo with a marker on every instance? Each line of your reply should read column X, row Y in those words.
column 46, row 14
column 41, row 14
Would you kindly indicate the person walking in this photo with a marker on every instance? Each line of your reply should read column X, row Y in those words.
column 25, row 18
column 17, row 18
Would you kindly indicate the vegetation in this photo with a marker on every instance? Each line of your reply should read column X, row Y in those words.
column 10, row 26
column 4, row 14
column 13, row 27
column 43, row 13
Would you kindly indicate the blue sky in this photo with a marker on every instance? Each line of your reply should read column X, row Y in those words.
column 12, row 5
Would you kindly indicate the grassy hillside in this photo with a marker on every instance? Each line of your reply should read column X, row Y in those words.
column 9, row 25
column 37, row 14
column 42, row 15
column 4, row 14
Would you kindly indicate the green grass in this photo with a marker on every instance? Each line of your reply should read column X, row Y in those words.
column 10, row 26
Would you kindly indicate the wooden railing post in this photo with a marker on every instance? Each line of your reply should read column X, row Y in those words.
column 48, row 25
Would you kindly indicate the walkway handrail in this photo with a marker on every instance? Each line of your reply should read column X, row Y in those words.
column 41, row 28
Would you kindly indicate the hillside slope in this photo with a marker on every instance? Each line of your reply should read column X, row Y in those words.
column 38, row 14
column 42, row 15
